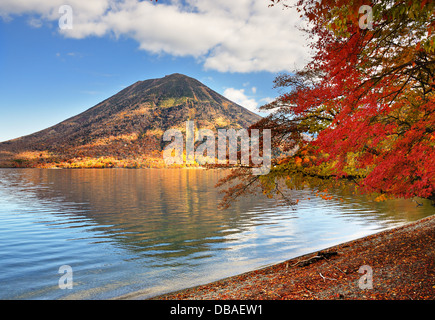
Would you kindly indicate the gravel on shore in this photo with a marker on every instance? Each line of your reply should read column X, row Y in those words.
column 398, row 263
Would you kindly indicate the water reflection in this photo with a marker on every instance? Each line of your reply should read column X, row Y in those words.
column 159, row 230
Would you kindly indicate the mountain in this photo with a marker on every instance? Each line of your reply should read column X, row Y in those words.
column 126, row 129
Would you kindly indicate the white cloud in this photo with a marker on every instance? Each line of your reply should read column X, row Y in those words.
column 224, row 35
column 267, row 100
column 35, row 23
column 238, row 96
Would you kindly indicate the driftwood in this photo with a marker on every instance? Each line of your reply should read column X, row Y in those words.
column 320, row 255
column 324, row 278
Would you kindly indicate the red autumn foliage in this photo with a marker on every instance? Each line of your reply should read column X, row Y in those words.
column 366, row 97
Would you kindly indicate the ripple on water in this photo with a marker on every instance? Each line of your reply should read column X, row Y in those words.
column 156, row 231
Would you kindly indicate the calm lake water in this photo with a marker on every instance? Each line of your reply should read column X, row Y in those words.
column 153, row 231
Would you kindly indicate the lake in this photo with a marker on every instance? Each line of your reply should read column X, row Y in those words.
column 152, row 231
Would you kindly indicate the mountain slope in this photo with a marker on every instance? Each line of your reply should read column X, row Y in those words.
column 128, row 125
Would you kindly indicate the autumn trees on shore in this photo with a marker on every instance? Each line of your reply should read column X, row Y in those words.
column 366, row 99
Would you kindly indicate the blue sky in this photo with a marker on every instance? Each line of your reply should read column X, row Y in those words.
column 48, row 75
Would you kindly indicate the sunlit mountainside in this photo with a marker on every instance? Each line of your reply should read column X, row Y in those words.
column 126, row 129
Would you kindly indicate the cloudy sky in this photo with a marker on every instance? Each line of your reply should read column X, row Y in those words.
column 59, row 58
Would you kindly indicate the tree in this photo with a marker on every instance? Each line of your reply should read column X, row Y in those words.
column 366, row 99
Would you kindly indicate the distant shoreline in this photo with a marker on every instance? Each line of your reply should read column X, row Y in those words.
column 402, row 260
column 32, row 162
column 116, row 168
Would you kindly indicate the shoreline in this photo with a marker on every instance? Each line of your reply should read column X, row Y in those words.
column 402, row 260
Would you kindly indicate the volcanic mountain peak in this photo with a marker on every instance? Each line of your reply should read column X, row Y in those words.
column 130, row 124
column 170, row 86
